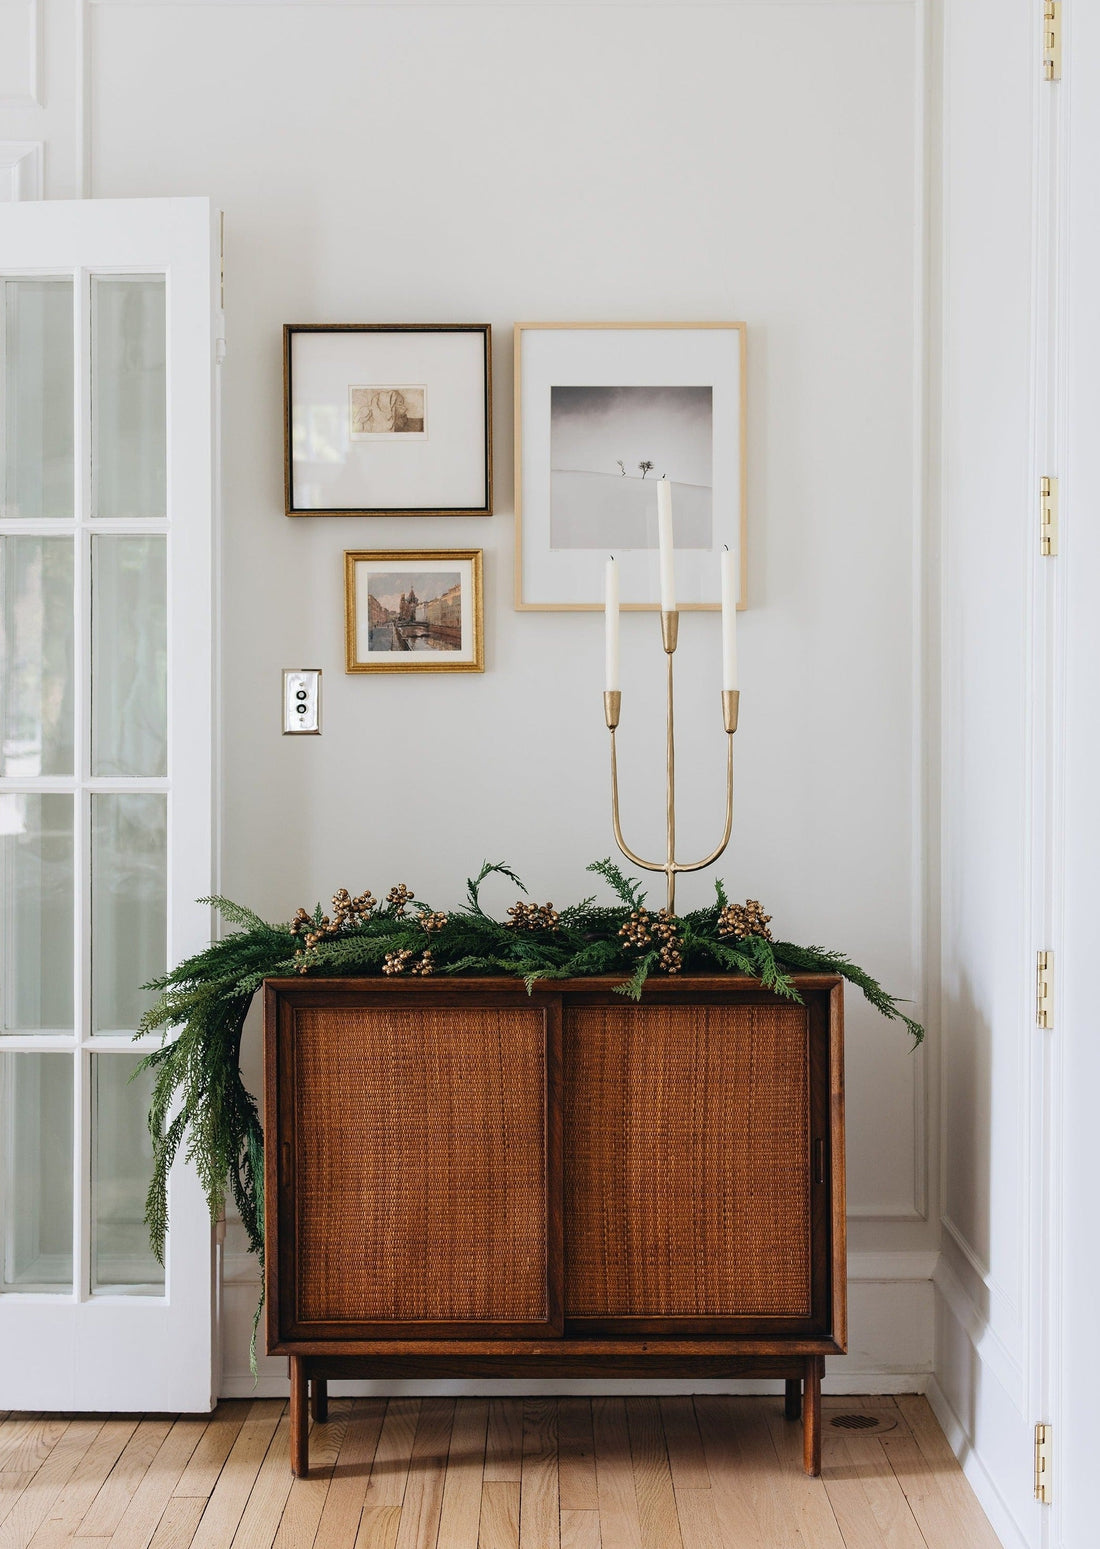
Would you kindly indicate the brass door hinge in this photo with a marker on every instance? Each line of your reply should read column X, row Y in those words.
column 1048, row 516
column 1042, row 1463
column 1044, row 989
column 219, row 320
column 1052, row 40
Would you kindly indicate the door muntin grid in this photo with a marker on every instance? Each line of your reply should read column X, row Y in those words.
column 84, row 763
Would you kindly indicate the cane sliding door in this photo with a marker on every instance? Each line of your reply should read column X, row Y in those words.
column 107, row 485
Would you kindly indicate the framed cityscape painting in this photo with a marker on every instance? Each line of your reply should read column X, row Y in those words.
column 413, row 610
column 603, row 411
column 388, row 419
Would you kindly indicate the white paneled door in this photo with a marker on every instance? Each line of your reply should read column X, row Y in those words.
column 108, row 404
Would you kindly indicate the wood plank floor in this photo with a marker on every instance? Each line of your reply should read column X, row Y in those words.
column 436, row 1473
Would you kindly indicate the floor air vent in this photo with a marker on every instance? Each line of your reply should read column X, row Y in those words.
column 864, row 1422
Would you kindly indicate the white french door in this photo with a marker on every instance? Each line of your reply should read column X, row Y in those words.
column 108, row 403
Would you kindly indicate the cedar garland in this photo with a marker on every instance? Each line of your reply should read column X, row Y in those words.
column 216, row 1122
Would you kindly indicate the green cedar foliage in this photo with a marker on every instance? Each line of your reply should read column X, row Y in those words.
column 200, row 1103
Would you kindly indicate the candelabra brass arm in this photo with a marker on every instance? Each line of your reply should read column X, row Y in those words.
column 671, row 867
column 619, row 840
column 728, row 830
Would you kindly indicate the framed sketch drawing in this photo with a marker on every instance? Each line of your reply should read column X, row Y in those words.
column 413, row 610
column 388, row 419
column 604, row 410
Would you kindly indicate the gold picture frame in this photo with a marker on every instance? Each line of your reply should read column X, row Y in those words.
column 738, row 430
column 440, row 628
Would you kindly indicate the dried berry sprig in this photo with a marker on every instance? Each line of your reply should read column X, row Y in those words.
column 523, row 916
column 741, row 920
column 399, row 962
column 636, row 931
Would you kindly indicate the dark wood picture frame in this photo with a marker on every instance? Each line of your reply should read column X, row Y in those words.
column 291, row 329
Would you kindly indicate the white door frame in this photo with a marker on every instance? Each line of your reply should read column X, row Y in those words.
column 1074, row 1246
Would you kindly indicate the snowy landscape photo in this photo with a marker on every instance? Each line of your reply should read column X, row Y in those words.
column 608, row 448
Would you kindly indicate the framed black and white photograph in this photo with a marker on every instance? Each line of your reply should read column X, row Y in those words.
column 388, row 419
column 413, row 610
column 603, row 412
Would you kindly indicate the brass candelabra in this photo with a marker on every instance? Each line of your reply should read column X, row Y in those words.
column 612, row 704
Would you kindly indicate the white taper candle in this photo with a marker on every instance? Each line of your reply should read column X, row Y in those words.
column 665, row 545
column 730, row 589
column 611, row 626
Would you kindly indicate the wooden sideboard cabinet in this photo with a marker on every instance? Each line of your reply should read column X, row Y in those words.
column 464, row 1179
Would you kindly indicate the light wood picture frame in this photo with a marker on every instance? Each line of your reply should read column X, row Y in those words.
column 597, row 404
column 388, row 419
column 413, row 610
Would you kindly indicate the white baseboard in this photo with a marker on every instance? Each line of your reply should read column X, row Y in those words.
column 990, row 1498
column 270, row 1385
column 890, row 1344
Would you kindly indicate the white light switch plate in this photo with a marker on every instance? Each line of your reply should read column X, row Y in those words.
column 301, row 700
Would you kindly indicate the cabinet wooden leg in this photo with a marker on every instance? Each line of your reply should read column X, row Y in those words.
column 792, row 1405
column 811, row 1415
column 299, row 1417
column 318, row 1394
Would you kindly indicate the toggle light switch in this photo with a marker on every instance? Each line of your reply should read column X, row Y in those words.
column 302, row 700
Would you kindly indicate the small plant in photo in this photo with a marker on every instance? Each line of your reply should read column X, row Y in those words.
column 646, row 467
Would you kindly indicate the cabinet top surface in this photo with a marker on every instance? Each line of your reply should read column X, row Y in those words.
column 677, row 986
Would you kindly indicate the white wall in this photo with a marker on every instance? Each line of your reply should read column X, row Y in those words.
column 497, row 163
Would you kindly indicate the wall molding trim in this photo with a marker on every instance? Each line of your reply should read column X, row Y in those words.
column 962, row 1242
column 242, row 1385
column 20, row 170
column 33, row 96
column 511, row 5
column 986, row 1343
column 899, row 1212
column 239, row 1267
column 990, row 1498
column 905, row 1264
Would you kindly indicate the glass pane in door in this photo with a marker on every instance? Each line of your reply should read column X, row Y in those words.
column 129, row 435
column 36, row 1171
column 36, row 657
column 36, row 479
column 129, row 656
column 129, row 906
column 36, row 921
column 122, row 1165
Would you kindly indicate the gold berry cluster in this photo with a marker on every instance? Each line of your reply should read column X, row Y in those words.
column 523, row 916
column 347, row 912
column 402, row 962
column 398, row 897
column 666, row 931
column 643, row 929
column 432, row 920
column 747, row 919
column 635, row 931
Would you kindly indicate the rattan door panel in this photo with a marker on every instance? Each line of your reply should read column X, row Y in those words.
column 421, row 1188
column 688, row 1181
